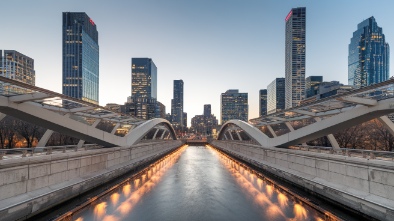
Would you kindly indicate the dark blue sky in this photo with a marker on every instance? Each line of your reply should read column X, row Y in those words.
column 212, row 45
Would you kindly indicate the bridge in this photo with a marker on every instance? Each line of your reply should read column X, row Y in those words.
column 32, row 181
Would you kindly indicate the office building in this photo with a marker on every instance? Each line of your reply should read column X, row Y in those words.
column 327, row 89
column 143, row 78
column 17, row 66
column 161, row 110
column 263, row 102
column 80, row 57
column 368, row 60
column 204, row 124
column 234, row 105
column 295, row 56
column 276, row 96
column 207, row 110
column 311, row 85
column 177, row 104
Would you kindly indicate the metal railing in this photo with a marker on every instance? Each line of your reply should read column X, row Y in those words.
column 36, row 151
column 361, row 153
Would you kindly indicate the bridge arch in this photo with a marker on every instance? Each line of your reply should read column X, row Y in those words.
column 250, row 130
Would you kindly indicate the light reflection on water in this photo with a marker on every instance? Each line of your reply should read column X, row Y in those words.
column 130, row 194
column 271, row 202
column 276, row 204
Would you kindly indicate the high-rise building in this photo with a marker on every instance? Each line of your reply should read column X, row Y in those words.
column 143, row 78
column 295, row 56
column 263, row 102
column 184, row 117
column 311, row 85
column 143, row 103
column 368, row 60
column 161, row 110
column 234, row 105
column 207, row 110
column 276, row 96
column 17, row 66
column 80, row 57
column 327, row 89
column 177, row 104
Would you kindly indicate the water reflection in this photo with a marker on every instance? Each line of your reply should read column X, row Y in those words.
column 205, row 185
column 130, row 193
column 275, row 203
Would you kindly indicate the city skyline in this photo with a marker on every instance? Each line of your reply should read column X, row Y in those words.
column 216, row 42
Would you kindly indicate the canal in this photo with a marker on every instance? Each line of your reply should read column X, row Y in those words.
column 196, row 183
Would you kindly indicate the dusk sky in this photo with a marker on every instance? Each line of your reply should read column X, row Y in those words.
column 212, row 46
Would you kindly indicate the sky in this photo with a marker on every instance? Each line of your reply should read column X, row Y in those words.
column 212, row 45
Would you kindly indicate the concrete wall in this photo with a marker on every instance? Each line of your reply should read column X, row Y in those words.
column 363, row 184
column 31, row 184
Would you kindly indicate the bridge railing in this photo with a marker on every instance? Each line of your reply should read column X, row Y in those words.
column 35, row 151
column 361, row 153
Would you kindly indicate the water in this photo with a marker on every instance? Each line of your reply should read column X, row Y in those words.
column 197, row 183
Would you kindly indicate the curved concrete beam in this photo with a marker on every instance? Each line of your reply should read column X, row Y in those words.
column 34, row 113
column 252, row 131
column 346, row 119
column 141, row 130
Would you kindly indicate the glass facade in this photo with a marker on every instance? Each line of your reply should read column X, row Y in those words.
column 276, row 96
column 295, row 56
column 17, row 66
column 143, row 78
column 263, row 102
column 368, row 60
column 80, row 57
column 312, row 85
column 177, row 104
column 234, row 105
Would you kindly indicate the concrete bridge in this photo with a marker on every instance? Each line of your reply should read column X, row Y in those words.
column 358, row 179
column 362, row 181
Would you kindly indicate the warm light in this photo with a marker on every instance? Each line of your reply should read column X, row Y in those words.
column 283, row 200
column 300, row 212
column 126, row 189
column 115, row 198
column 100, row 210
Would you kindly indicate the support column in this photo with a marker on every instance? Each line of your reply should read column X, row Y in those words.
column 271, row 130
column 2, row 116
column 331, row 138
column 387, row 123
column 291, row 128
column 231, row 135
column 154, row 136
column 162, row 136
column 44, row 139
column 47, row 135
column 239, row 136
column 115, row 128
column 94, row 125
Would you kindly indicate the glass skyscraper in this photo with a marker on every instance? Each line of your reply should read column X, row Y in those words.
column 295, row 56
column 143, row 78
column 177, row 105
column 276, row 96
column 263, row 102
column 234, row 105
column 368, row 61
column 80, row 57
column 17, row 66
column 143, row 98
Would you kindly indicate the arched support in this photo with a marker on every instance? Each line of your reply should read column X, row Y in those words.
column 331, row 138
column 115, row 128
column 239, row 136
column 141, row 130
column 271, row 131
column 348, row 118
column 94, row 125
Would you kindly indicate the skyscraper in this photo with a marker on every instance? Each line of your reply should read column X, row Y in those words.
column 295, row 56
column 207, row 110
column 143, row 78
column 143, row 100
column 234, row 105
column 263, row 102
column 275, row 95
column 17, row 66
column 177, row 104
column 80, row 57
column 368, row 60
